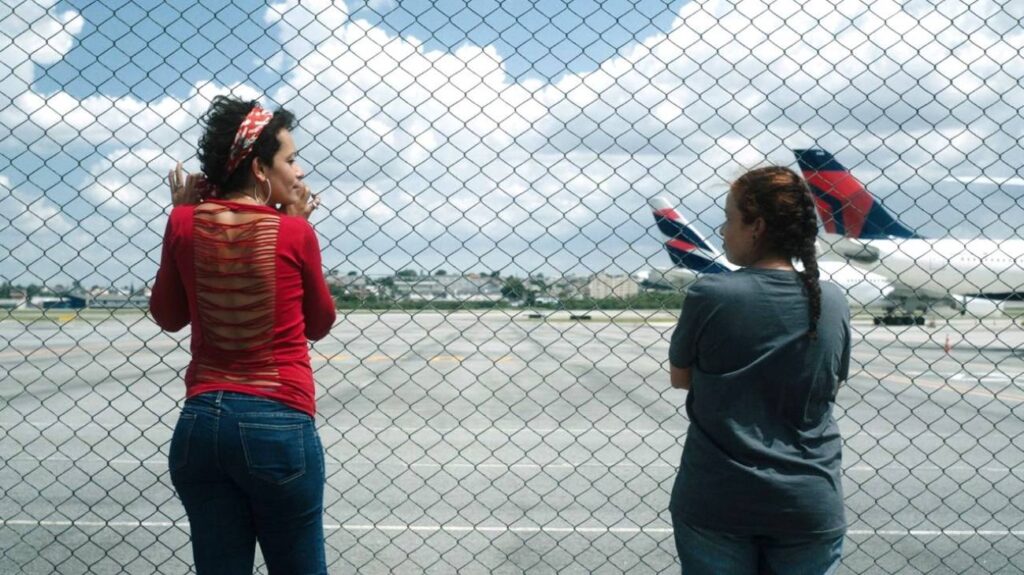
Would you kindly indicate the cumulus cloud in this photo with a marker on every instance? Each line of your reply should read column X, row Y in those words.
column 36, row 34
column 442, row 147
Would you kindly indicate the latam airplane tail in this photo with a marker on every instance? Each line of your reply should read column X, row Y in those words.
column 687, row 248
column 844, row 204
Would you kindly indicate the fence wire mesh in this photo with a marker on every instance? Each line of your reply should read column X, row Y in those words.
column 494, row 396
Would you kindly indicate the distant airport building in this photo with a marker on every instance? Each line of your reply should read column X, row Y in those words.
column 418, row 288
column 470, row 288
column 603, row 286
column 354, row 286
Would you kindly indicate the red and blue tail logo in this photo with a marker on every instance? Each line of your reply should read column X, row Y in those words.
column 674, row 226
column 686, row 247
column 845, row 206
column 691, row 257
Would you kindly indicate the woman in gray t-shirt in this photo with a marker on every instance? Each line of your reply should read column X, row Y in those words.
column 762, row 352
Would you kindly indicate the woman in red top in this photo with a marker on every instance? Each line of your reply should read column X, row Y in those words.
column 245, row 457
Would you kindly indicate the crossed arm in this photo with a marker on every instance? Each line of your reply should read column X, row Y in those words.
column 680, row 376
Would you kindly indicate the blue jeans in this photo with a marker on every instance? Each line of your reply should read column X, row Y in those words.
column 250, row 469
column 704, row 552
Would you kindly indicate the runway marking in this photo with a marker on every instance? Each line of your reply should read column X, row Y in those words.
column 58, row 350
column 456, row 358
column 898, row 377
column 330, row 358
column 401, row 527
column 994, row 378
column 380, row 357
column 509, row 466
column 512, row 430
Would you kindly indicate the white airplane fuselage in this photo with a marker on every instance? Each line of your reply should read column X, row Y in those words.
column 865, row 291
column 942, row 267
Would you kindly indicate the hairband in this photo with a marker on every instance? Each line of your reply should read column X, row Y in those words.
column 248, row 132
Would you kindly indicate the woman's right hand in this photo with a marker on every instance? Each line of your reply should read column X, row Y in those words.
column 305, row 206
column 183, row 188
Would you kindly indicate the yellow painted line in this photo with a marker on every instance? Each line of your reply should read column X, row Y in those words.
column 332, row 358
column 457, row 358
column 124, row 348
column 345, row 357
column 940, row 385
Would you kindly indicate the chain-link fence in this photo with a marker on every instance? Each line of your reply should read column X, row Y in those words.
column 494, row 396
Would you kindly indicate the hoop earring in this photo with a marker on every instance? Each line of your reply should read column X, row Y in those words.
column 270, row 191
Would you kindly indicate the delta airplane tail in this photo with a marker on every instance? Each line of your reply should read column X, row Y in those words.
column 844, row 204
column 687, row 248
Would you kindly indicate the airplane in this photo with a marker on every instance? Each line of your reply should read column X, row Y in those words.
column 694, row 256
column 688, row 250
column 925, row 273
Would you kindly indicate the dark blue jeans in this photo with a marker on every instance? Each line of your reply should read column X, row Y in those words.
column 250, row 469
column 704, row 552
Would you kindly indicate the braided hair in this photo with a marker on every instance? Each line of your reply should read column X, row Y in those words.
column 782, row 199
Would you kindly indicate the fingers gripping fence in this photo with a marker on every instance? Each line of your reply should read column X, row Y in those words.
column 494, row 396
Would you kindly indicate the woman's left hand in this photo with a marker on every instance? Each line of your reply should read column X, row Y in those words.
column 305, row 206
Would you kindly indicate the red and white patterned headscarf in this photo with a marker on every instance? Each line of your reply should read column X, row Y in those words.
column 248, row 132
column 246, row 136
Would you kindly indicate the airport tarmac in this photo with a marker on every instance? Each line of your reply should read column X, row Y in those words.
column 492, row 442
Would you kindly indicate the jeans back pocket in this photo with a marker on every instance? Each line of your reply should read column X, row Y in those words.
column 274, row 452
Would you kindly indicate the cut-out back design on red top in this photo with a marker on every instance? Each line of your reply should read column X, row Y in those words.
column 249, row 280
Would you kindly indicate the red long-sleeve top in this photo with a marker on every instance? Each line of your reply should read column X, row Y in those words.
column 254, row 293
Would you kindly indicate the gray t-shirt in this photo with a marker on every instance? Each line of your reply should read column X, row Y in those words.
column 763, row 451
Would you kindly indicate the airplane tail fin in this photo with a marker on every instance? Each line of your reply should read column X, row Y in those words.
column 686, row 247
column 674, row 225
column 844, row 204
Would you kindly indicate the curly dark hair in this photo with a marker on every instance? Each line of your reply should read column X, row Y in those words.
column 783, row 200
column 220, row 123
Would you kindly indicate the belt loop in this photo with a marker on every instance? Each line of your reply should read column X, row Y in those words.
column 220, row 397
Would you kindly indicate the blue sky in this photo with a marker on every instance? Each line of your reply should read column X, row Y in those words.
column 535, row 39
column 499, row 135
column 148, row 48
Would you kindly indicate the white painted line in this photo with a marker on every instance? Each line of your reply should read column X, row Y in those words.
column 512, row 430
column 115, row 524
column 496, row 528
column 873, row 468
column 911, row 435
column 412, row 430
column 938, row 532
column 990, row 378
column 510, row 466
column 399, row 527
column 94, row 460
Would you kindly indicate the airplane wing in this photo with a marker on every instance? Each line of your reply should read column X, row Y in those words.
column 848, row 248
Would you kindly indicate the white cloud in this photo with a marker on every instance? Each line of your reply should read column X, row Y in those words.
column 729, row 86
column 36, row 34
column 34, row 215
